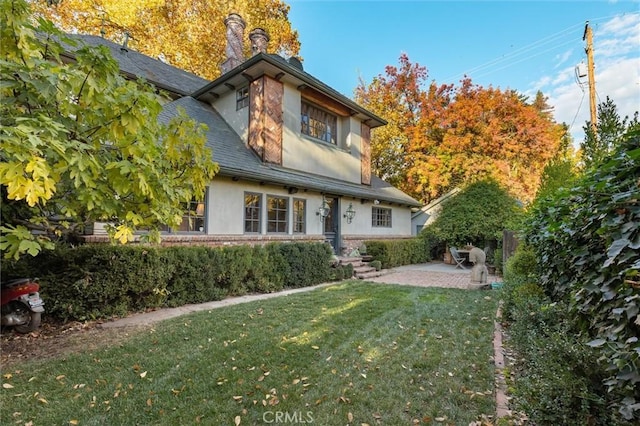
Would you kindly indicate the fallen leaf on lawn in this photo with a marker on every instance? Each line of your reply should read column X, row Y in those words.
column 73, row 422
column 377, row 416
column 329, row 359
column 60, row 377
column 44, row 401
column 149, row 403
column 315, row 347
column 295, row 381
column 236, row 420
column 7, row 386
column 266, row 373
column 143, row 374
column 7, row 376
column 440, row 419
column 363, row 375
column 261, row 378
column 350, row 417
column 238, row 397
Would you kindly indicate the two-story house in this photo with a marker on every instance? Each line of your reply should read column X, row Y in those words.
column 294, row 154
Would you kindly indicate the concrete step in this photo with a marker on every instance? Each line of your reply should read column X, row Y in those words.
column 363, row 269
column 372, row 274
column 355, row 261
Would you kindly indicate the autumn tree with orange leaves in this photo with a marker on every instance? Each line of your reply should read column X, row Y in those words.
column 189, row 34
column 442, row 137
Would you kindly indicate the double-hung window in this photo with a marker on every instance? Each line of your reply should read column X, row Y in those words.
column 252, row 212
column 277, row 214
column 381, row 217
column 242, row 98
column 318, row 123
column 299, row 216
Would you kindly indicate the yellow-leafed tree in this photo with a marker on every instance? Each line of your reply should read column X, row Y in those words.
column 189, row 34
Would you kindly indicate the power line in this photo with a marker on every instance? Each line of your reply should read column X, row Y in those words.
column 511, row 57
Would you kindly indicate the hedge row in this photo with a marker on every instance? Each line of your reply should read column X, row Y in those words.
column 100, row 281
column 398, row 252
column 558, row 379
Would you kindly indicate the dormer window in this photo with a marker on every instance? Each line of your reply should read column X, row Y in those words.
column 318, row 123
column 242, row 98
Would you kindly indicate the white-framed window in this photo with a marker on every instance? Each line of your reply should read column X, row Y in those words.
column 380, row 217
column 277, row 214
column 299, row 216
column 252, row 212
column 242, row 98
column 318, row 123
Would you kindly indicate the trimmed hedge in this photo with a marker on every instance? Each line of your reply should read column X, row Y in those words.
column 101, row 281
column 392, row 253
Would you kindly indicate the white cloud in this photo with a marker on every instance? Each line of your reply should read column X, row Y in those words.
column 564, row 57
column 617, row 75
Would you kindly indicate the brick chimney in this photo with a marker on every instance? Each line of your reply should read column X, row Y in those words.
column 259, row 41
column 235, row 35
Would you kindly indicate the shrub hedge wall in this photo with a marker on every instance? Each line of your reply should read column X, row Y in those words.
column 101, row 281
column 392, row 253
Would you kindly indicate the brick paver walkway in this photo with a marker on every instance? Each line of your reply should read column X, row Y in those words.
column 434, row 274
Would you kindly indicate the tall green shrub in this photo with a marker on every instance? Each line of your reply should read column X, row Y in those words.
column 477, row 214
column 588, row 239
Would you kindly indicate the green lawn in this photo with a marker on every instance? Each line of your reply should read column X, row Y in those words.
column 352, row 353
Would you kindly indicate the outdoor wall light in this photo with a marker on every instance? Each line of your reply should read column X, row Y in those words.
column 350, row 213
column 324, row 209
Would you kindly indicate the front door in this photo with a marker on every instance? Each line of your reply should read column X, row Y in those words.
column 332, row 224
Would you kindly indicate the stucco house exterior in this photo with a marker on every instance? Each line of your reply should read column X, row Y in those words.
column 427, row 214
column 294, row 154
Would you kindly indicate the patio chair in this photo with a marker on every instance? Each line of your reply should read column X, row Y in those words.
column 456, row 256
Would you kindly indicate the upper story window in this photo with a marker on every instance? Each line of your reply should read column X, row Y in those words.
column 380, row 217
column 252, row 211
column 277, row 214
column 242, row 98
column 299, row 216
column 318, row 123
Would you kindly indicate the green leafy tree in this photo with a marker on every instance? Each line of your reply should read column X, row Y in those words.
column 478, row 214
column 561, row 171
column 610, row 128
column 79, row 143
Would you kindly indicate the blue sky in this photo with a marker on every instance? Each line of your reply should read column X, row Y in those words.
column 521, row 45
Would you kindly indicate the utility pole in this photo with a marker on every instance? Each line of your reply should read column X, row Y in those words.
column 588, row 35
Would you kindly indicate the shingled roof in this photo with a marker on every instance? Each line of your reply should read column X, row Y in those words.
column 134, row 64
column 232, row 155
column 237, row 160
